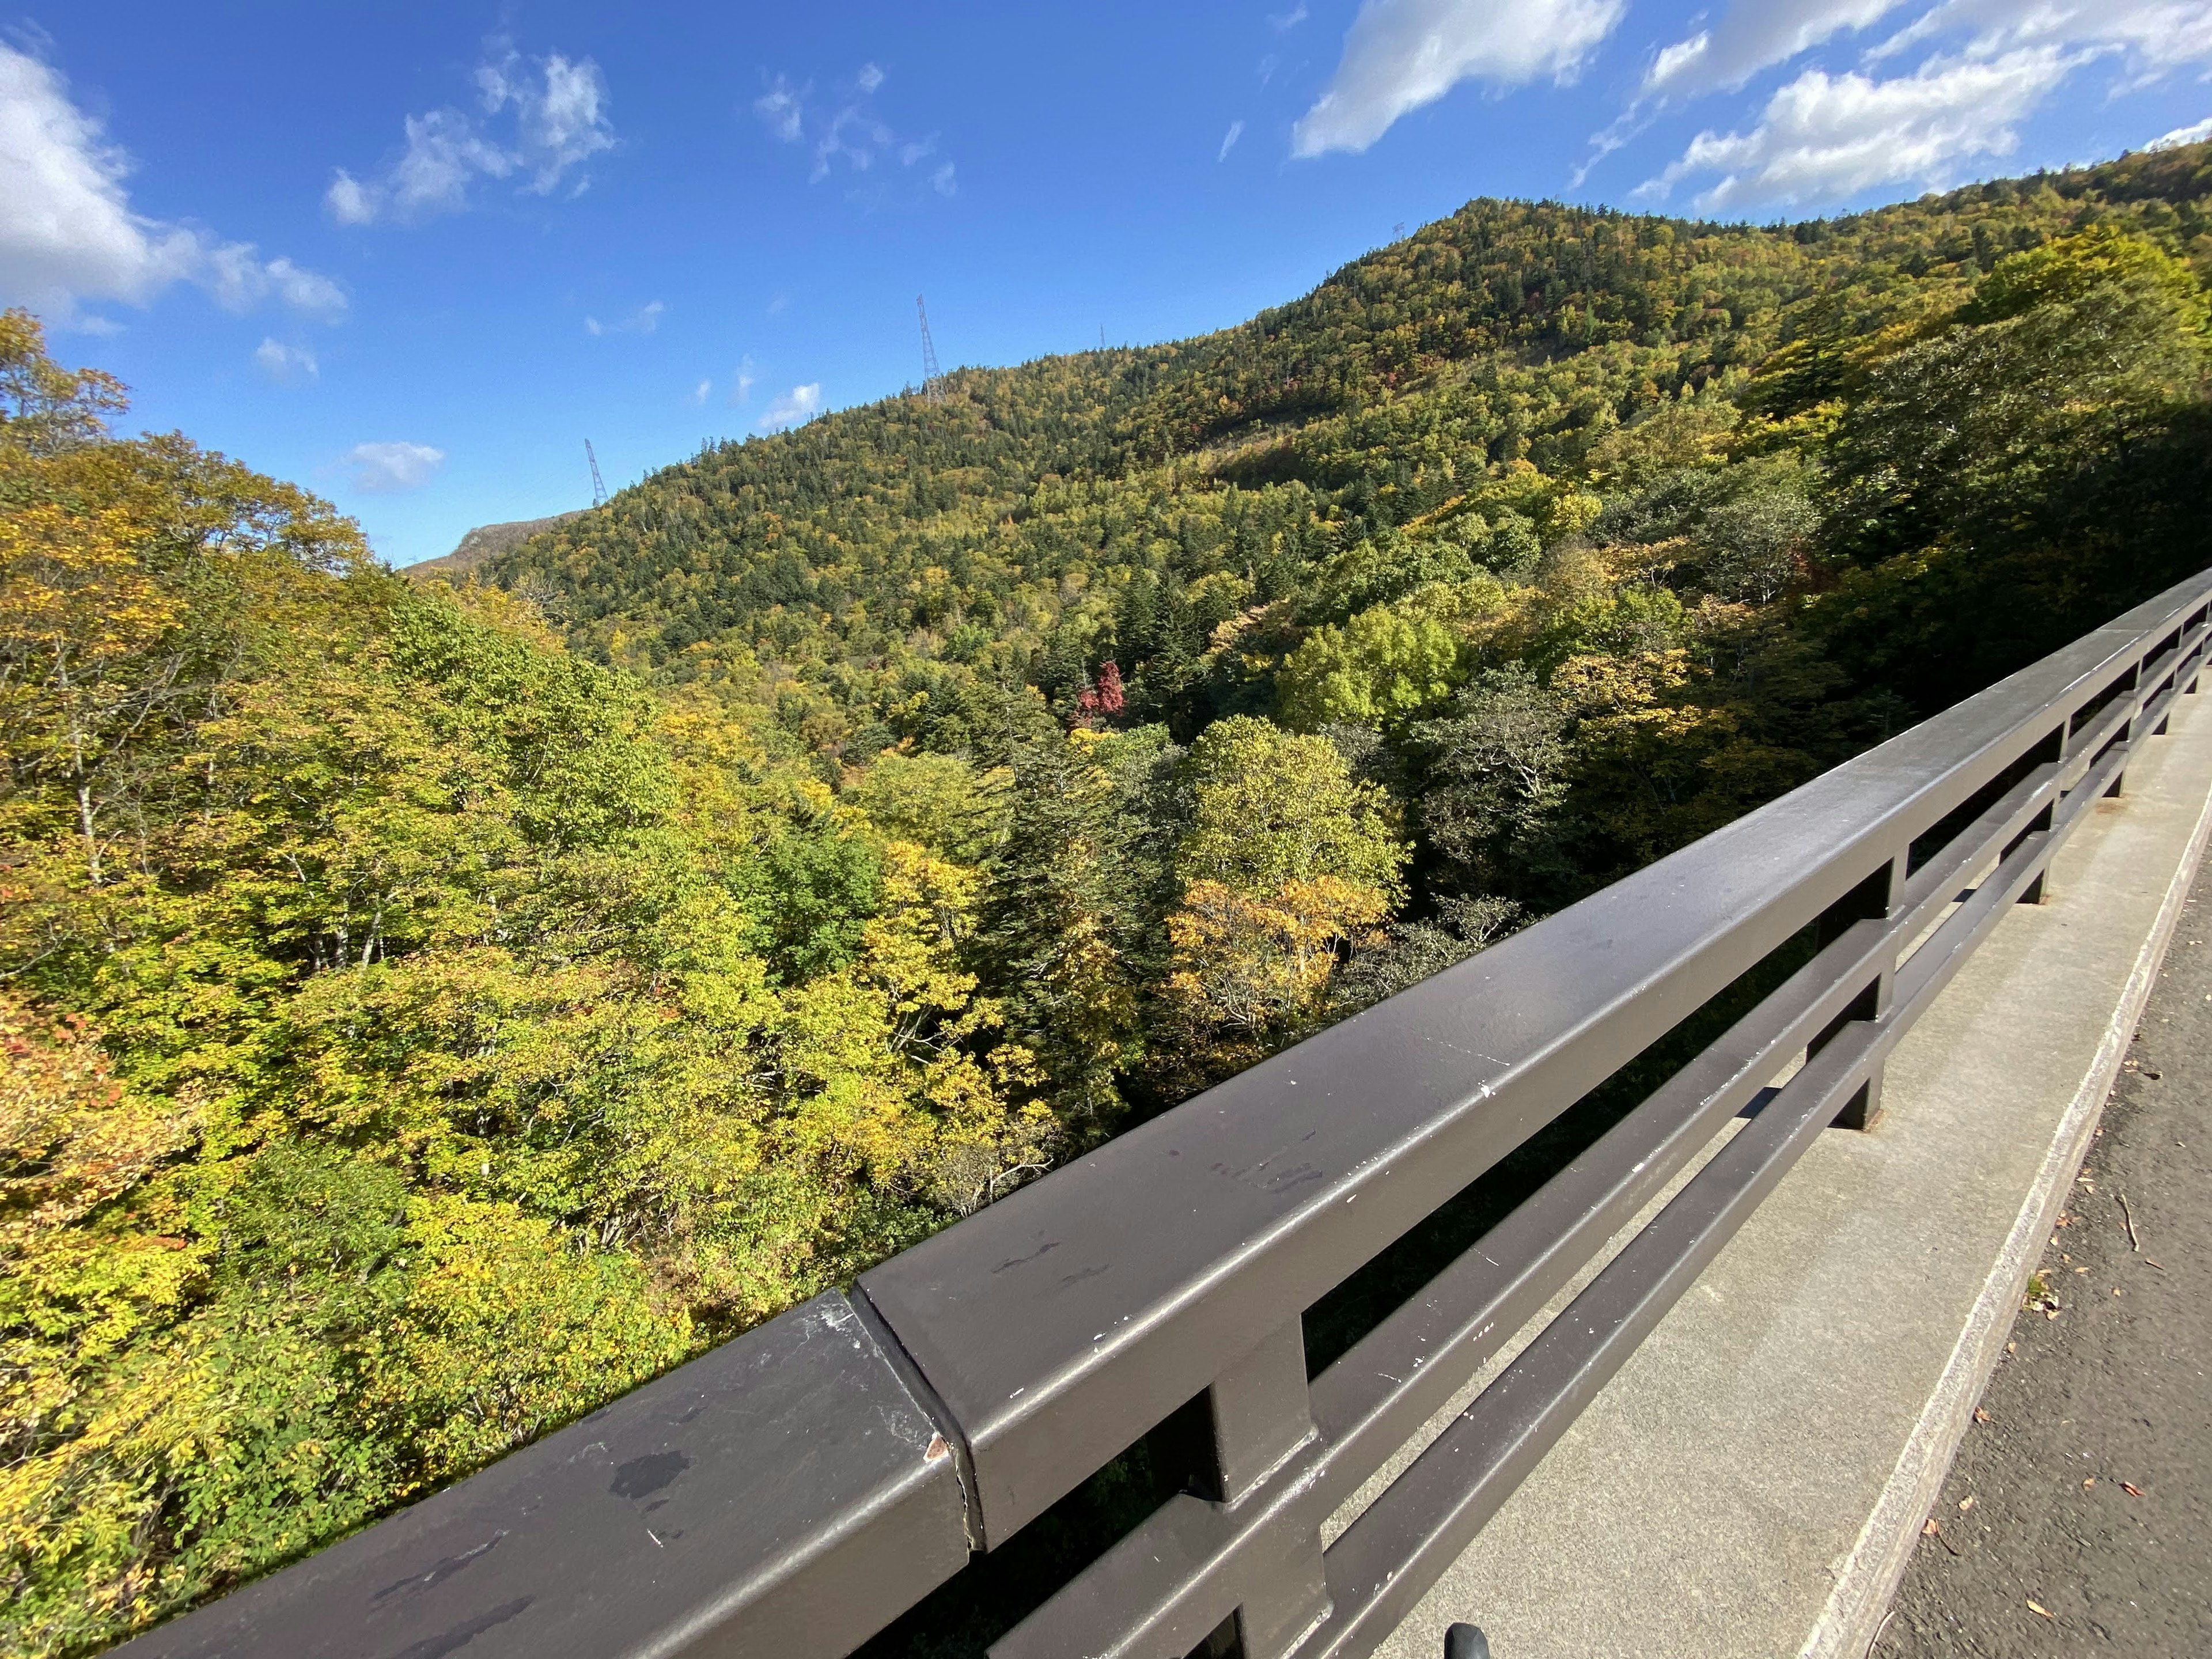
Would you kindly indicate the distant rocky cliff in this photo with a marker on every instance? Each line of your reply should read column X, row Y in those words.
column 485, row 542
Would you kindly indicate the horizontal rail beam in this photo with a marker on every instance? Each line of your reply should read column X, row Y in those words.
column 1145, row 1268
column 1174, row 1579
column 785, row 1494
column 1396, row 1549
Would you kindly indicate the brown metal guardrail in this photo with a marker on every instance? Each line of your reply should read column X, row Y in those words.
column 792, row 1492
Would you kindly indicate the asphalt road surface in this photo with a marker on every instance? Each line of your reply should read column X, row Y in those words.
column 2078, row 1517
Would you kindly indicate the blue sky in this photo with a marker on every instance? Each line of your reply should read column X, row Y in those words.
column 412, row 256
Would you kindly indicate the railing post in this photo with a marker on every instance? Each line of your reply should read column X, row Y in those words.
column 1875, row 898
column 2178, row 643
column 2053, row 751
column 1262, row 1416
column 2127, row 732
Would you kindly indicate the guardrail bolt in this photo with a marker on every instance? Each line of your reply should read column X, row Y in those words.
column 1466, row 1642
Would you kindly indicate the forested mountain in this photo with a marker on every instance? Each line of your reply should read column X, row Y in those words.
column 1070, row 507
column 429, row 1011
column 485, row 542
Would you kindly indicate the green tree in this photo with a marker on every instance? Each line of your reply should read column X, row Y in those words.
column 1499, row 771
column 1381, row 668
column 2003, row 484
column 1068, row 916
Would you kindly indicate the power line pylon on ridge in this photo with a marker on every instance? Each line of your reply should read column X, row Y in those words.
column 932, row 390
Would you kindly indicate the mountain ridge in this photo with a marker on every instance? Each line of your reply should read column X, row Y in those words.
column 483, row 543
column 1506, row 332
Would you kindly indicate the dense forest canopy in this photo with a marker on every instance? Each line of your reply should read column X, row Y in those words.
column 427, row 1010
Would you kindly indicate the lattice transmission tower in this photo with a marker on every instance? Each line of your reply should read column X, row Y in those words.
column 932, row 390
column 599, row 485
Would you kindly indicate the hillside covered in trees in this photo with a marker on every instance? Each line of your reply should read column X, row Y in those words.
column 427, row 1010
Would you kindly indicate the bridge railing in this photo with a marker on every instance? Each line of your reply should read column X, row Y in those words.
column 792, row 1492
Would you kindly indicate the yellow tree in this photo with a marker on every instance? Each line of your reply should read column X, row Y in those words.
column 1289, row 862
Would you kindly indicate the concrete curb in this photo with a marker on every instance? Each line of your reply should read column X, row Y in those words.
column 1849, row 1624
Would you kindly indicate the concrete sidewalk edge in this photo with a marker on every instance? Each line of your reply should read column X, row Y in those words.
column 1851, row 1622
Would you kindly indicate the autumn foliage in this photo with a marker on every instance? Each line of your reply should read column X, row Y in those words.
column 426, row 1012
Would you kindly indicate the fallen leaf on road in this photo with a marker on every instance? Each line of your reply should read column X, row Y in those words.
column 2131, row 1489
column 2089, row 1482
column 1980, row 1416
column 1966, row 1502
column 1928, row 1529
column 2038, row 1607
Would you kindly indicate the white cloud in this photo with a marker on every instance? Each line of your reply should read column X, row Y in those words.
column 560, row 113
column 1401, row 54
column 1822, row 137
column 303, row 289
column 741, row 384
column 700, row 395
column 1757, row 35
column 390, row 469
column 69, row 234
column 2152, row 36
column 2195, row 133
column 351, row 202
column 236, row 276
column 2148, row 38
column 782, row 106
column 796, row 407
column 850, row 134
column 1754, row 35
column 286, row 364
column 554, row 113
column 854, row 134
column 644, row 320
column 1228, row 141
column 444, row 154
column 66, row 227
column 1282, row 22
